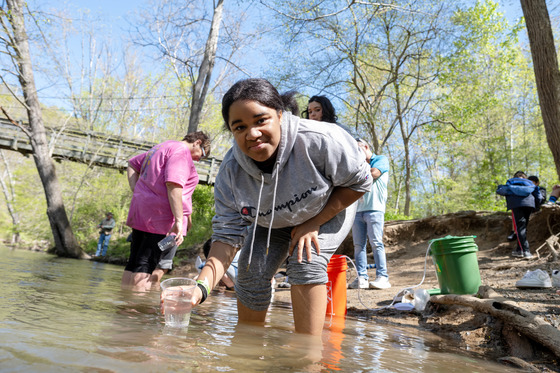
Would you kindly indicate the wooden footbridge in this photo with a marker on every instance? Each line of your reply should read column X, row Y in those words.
column 92, row 148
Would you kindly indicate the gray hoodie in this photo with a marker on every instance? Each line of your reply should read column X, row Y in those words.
column 312, row 159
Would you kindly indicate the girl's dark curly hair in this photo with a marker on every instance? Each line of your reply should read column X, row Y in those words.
column 329, row 114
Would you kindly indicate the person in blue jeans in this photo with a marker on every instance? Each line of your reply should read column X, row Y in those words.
column 106, row 228
column 370, row 218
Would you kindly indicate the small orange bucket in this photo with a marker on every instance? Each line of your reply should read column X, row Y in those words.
column 332, row 353
column 336, row 286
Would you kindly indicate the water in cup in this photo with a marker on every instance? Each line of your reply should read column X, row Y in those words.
column 177, row 294
column 177, row 308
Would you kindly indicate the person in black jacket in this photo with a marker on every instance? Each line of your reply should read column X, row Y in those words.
column 542, row 191
column 522, row 198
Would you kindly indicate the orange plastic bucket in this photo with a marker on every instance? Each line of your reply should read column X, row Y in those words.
column 332, row 354
column 336, row 286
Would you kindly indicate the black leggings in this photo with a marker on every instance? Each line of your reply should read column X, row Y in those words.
column 521, row 217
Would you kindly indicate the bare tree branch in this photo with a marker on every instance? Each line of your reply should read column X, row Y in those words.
column 13, row 93
column 339, row 11
column 23, row 128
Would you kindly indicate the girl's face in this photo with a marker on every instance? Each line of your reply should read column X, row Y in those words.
column 256, row 129
column 315, row 111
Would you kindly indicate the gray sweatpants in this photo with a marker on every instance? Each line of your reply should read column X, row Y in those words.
column 253, row 282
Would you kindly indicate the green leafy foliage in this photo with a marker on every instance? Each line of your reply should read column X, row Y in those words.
column 476, row 123
column 203, row 212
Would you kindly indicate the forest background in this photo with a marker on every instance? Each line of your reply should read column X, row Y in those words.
column 445, row 89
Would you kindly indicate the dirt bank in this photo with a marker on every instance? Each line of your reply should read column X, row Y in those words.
column 406, row 244
column 478, row 332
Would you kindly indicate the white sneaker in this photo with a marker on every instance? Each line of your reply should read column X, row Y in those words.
column 284, row 285
column 534, row 279
column 380, row 283
column 556, row 278
column 358, row 283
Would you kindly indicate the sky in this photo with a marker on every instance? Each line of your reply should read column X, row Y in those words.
column 116, row 17
column 116, row 14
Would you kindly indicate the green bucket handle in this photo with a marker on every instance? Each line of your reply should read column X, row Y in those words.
column 448, row 237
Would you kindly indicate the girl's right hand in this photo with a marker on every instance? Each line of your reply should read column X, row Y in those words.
column 305, row 237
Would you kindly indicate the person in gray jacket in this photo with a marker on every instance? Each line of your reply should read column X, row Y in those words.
column 294, row 184
column 105, row 230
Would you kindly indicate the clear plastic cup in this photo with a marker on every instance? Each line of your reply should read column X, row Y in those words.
column 421, row 298
column 177, row 294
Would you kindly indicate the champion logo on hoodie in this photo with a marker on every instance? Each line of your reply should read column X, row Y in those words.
column 247, row 211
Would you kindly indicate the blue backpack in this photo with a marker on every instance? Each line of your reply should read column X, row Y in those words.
column 517, row 187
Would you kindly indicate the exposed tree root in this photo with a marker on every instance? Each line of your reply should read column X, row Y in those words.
column 518, row 363
column 495, row 305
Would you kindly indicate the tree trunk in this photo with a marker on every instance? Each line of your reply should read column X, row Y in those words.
column 405, row 140
column 547, row 74
column 65, row 242
column 407, row 178
column 205, row 71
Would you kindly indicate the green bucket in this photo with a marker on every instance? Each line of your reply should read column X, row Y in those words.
column 456, row 264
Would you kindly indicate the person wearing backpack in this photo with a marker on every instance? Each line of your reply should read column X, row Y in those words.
column 538, row 202
column 522, row 198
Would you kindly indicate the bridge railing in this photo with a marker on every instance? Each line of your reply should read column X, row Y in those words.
column 93, row 148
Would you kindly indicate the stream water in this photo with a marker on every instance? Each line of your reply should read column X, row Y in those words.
column 65, row 315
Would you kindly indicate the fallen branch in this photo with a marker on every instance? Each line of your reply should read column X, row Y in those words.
column 524, row 321
column 550, row 242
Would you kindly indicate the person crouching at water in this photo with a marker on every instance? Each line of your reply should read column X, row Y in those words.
column 294, row 183
column 162, row 181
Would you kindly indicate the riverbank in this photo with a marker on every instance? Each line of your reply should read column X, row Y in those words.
column 477, row 332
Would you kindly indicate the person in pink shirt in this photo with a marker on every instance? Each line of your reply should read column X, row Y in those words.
column 162, row 181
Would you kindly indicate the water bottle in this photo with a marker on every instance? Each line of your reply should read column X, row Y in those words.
column 167, row 243
column 199, row 264
column 371, row 266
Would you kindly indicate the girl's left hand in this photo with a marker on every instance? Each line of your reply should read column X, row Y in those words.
column 303, row 236
column 195, row 299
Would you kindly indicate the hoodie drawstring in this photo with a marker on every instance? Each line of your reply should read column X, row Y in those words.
column 257, row 215
column 256, row 221
column 273, row 204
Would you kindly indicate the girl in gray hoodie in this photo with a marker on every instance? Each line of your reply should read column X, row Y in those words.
column 286, row 187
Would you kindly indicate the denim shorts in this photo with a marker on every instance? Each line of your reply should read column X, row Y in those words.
column 253, row 286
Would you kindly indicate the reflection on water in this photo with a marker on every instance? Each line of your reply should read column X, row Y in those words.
column 61, row 315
